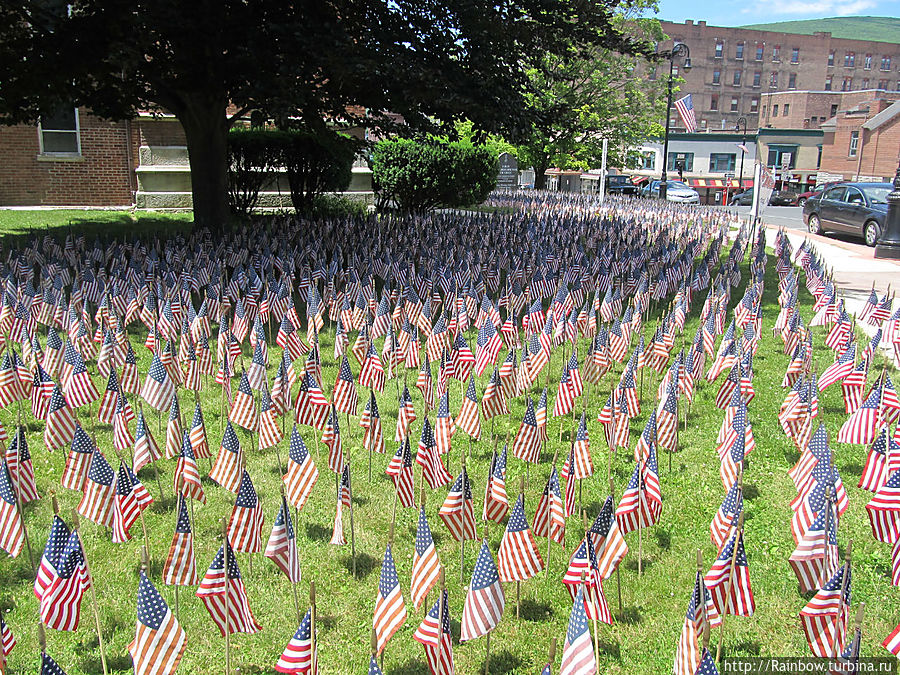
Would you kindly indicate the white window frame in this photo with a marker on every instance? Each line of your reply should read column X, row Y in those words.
column 77, row 133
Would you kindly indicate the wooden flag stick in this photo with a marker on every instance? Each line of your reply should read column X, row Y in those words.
column 612, row 496
column 87, row 570
column 845, row 581
column 462, row 548
column 352, row 525
column 227, row 597
column 440, row 630
column 312, row 627
column 703, row 599
column 487, row 653
column 549, row 541
column 640, row 519
column 738, row 534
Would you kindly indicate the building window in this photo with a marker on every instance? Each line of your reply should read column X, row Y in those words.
column 684, row 159
column 736, row 80
column 754, row 104
column 58, row 132
column 885, row 62
column 814, row 121
column 828, row 81
column 782, row 156
column 734, row 104
column 795, row 55
column 703, row 124
column 849, row 59
column 786, row 110
column 714, row 102
column 792, row 81
column 721, row 162
column 883, row 84
column 868, row 62
column 776, row 53
column 775, row 110
column 757, row 77
column 854, row 143
column 833, row 109
column 739, row 51
column 846, row 84
column 759, row 51
column 831, row 58
column 773, row 79
column 719, row 49
column 717, row 76
column 765, row 111
column 865, row 83
column 648, row 161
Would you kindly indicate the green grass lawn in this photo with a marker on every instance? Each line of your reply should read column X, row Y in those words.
column 59, row 222
column 643, row 639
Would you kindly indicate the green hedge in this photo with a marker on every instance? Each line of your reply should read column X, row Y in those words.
column 420, row 175
column 315, row 163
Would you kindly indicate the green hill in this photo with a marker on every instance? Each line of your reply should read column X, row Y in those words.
column 876, row 28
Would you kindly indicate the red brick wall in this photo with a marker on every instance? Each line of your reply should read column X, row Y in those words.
column 100, row 177
column 878, row 149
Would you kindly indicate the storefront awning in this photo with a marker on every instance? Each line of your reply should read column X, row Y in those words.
column 720, row 183
column 637, row 180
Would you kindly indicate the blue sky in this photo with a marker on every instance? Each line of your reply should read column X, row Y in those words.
column 731, row 13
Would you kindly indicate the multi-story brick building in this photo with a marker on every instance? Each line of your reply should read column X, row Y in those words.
column 734, row 67
column 810, row 109
column 863, row 143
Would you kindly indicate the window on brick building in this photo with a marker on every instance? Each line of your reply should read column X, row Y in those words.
column 833, row 109
column 792, row 81
column 846, row 84
column 773, row 79
column 720, row 48
column 721, row 162
column 831, row 58
column 885, row 62
column 739, row 51
column 828, row 81
column 58, row 132
column 716, row 76
column 760, row 47
column 776, row 53
column 786, row 109
column 867, row 64
column 765, row 112
column 775, row 110
column 814, row 121
column 795, row 55
column 714, row 102
column 736, row 79
column 882, row 84
column 865, row 83
column 754, row 104
column 734, row 104
column 757, row 77
column 849, row 59
column 854, row 143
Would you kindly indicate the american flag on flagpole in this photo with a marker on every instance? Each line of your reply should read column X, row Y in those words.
column 247, row 519
column 426, row 564
column 159, row 639
column 685, row 108
column 518, row 556
column 578, row 654
column 390, row 612
column 484, row 604
column 297, row 655
column 180, row 568
column 12, row 532
column 281, row 548
column 457, row 511
column 434, row 634
column 212, row 592
column 401, row 472
column 302, row 473
column 825, row 617
column 66, row 584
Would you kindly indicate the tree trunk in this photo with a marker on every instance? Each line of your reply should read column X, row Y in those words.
column 206, row 128
column 540, row 170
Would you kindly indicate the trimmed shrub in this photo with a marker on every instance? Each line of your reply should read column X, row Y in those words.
column 423, row 175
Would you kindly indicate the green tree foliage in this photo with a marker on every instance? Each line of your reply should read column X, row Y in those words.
column 586, row 95
column 423, row 175
column 209, row 62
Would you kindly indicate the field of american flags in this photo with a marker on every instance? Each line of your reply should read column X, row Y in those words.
column 644, row 639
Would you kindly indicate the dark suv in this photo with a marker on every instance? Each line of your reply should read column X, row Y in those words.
column 856, row 208
column 620, row 185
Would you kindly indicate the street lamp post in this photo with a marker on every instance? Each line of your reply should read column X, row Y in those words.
column 737, row 127
column 679, row 49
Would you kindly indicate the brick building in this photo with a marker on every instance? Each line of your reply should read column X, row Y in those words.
column 810, row 109
column 734, row 67
column 863, row 142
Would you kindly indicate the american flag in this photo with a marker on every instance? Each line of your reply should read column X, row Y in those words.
column 390, row 612
column 270, row 433
column 487, row 347
column 146, row 450
column 860, row 428
column 331, row 437
column 52, row 556
column 60, row 427
column 701, row 612
column 892, row 642
column 427, row 456
column 247, row 519
column 21, row 470
column 565, row 397
column 815, row 559
column 297, row 655
column 443, row 424
column 159, row 639
column 64, row 586
column 187, row 475
column 174, row 432
column 371, row 374
column 213, row 589
column 732, row 506
column 243, row 407
column 158, row 388
column 7, row 642
column 883, row 459
column 641, row 502
column 518, row 555
column 12, row 533
column 484, row 604
column 49, row 666
column 110, row 398
column 41, row 391
column 493, row 402
column 550, row 518
column 131, row 498
column 401, row 472
column 496, row 501
column 609, row 544
column 99, row 495
column 527, row 444
column 719, row 579
column 344, row 394
column 578, row 655
column 434, row 634
column 707, row 664
column 457, row 511
column 584, row 562
column 426, row 564
column 180, row 568
column 281, row 548
column 373, row 438
column 583, row 466
column 228, row 468
column 311, row 407
column 406, row 414
column 824, row 618
column 840, row 369
column 540, row 414
column 884, row 511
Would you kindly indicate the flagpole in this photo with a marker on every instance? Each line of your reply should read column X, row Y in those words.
column 87, row 570
column 612, row 497
column 440, row 629
column 738, row 534
column 640, row 519
column 227, row 631
column 844, row 583
column 549, row 540
column 367, row 436
column 352, row 524
column 314, row 660
column 462, row 553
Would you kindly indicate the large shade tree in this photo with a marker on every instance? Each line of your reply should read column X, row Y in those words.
column 209, row 62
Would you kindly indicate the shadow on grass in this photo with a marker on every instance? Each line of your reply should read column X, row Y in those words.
column 747, row 648
column 630, row 615
column 852, row 468
column 502, row 662
column 663, row 539
column 365, row 563
column 611, row 648
column 632, row 563
column 411, row 667
column 317, row 532
column 751, row 492
column 534, row 611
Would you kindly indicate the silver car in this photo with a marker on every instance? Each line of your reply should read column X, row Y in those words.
column 676, row 191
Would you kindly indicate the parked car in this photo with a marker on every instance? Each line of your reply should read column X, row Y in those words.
column 856, row 208
column 676, row 191
column 803, row 196
column 778, row 198
column 621, row 184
